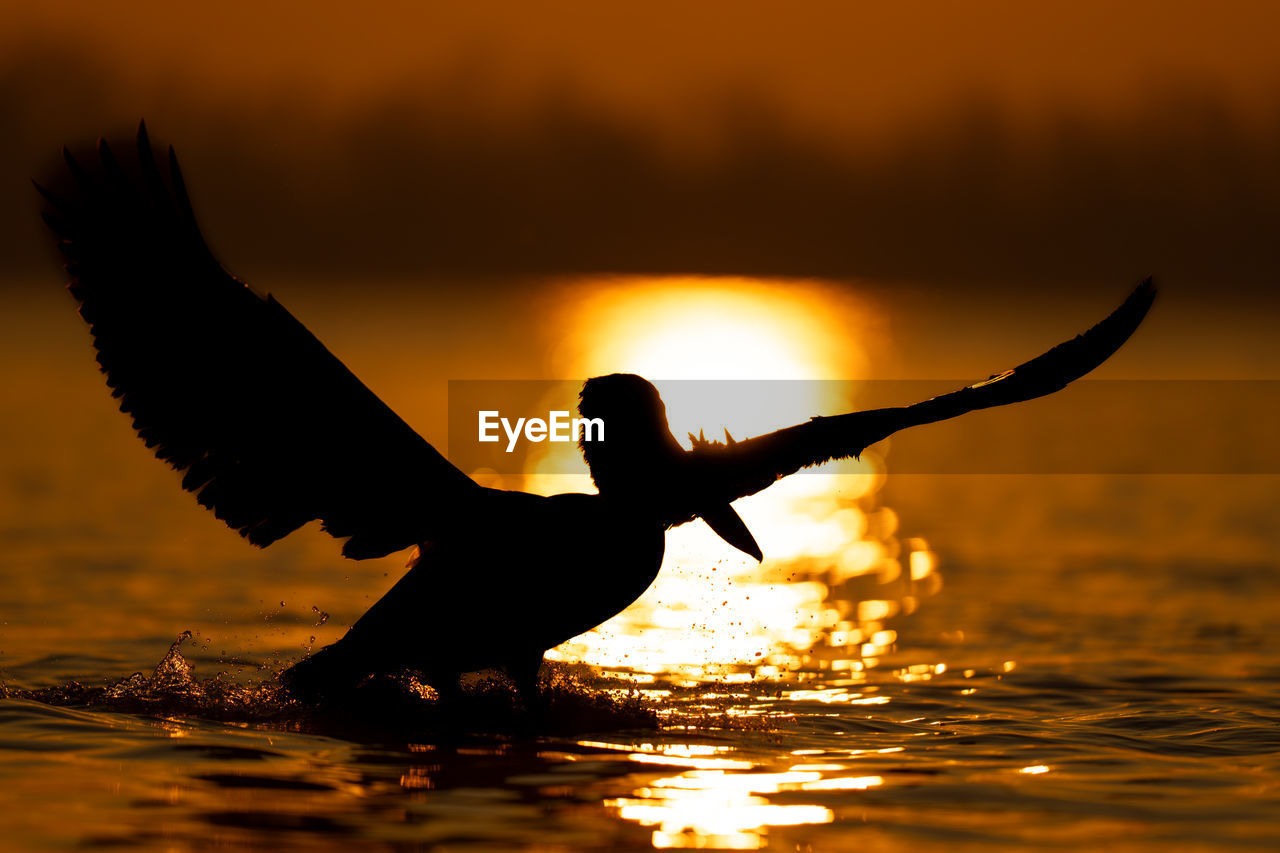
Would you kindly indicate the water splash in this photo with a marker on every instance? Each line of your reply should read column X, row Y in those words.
column 173, row 689
column 569, row 700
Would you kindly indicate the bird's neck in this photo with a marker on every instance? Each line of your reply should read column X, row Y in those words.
column 635, row 468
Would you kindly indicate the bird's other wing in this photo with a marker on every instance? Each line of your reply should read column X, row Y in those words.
column 269, row 429
column 737, row 469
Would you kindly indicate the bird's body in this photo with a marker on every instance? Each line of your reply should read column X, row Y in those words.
column 271, row 431
column 498, row 590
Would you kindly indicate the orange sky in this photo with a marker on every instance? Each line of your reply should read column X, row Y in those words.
column 826, row 63
column 993, row 144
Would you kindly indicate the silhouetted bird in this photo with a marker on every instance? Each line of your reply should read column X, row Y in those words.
column 271, row 431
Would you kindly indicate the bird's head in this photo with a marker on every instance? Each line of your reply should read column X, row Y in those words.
column 637, row 441
column 638, row 458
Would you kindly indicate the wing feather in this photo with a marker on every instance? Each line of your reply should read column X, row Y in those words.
column 745, row 467
column 269, row 429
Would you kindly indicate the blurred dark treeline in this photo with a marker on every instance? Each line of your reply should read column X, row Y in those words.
column 426, row 180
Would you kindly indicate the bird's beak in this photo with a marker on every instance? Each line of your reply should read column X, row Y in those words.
column 728, row 525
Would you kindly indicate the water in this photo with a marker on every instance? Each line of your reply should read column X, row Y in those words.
column 1083, row 743
column 985, row 663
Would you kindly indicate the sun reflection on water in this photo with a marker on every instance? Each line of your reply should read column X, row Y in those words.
column 808, row 623
column 835, row 570
column 721, row 802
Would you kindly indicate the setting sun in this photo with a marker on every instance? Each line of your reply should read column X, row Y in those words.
column 747, row 356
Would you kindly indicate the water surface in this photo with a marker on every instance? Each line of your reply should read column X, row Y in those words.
column 925, row 663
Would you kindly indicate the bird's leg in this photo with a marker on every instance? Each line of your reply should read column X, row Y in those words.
column 524, row 672
column 324, row 676
column 447, row 687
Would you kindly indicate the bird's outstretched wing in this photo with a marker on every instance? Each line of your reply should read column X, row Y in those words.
column 745, row 467
column 269, row 428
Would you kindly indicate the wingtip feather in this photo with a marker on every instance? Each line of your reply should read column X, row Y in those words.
column 180, row 186
column 48, row 195
column 78, row 173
